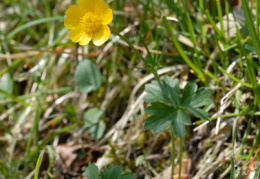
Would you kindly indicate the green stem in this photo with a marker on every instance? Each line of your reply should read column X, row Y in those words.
column 257, row 16
column 150, row 64
column 203, row 26
column 180, row 160
column 173, row 152
column 130, row 45
column 234, row 78
column 113, row 152
column 212, row 22
column 156, row 76
column 219, row 9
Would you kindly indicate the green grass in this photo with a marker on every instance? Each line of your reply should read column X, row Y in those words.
column 41, row 109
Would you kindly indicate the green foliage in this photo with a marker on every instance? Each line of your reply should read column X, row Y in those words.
column 87, row 76
column 256, row 42
column 233, row 171
column 257, row 171
column 92, row 171
column 37, row 168
column 93, row 120
column 139, row 160
column 108, row 173
column 112, row 172
column 169, row 107
column 6, row 84
column 30, row 36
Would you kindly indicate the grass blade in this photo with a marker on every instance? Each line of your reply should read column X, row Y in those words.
column 33, row 23
column 233, row 171
column 251, row 27
column 180, row 50
column 38, row 164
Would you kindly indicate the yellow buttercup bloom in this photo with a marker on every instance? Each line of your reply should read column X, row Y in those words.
column 88, row 21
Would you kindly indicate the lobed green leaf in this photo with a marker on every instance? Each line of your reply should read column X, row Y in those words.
column 158, row 107
column 159, row 122
column 181, row 119
column 166, row 91
column 198, row 99
column 128, row 176
column 188, row 91
column 92, row 171
column 112, row 172
column 169, row 107
column 199, row 113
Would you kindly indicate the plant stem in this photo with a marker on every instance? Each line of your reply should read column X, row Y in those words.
column 180, row 160
column 173, row 152
column 130, row 45
column 155, row 74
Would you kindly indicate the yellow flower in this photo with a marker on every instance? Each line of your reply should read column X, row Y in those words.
column 88, row 21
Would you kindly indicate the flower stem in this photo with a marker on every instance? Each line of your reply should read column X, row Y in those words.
column 180, row 160
column 173, row 152
column 137, row 53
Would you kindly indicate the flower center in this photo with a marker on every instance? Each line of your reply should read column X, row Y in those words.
column 90, row 22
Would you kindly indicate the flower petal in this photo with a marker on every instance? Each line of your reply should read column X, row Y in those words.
column 76, row 35
column 101, row 35
column 101, row 7
column 86, row 39
column 87, row 5
column 106, row 17
column 73, row 16
column 105, row 13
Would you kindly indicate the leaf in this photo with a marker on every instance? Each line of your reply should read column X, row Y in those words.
column 157, row 107
column 173, row 88
column 233, row 171
column 180, row 119
column 154, row 93
column 87, row 76
column 33, row 23
column 6, row 84
column 93, row 116
column 92, row 172
column 139, row 160
column 189, row 90
column 199, row 113
column 71, row 112
column 97, row 130
column 112, row 172
column 198, row 99
column 128, row 176
column 169, row 107
column 167, row 91
column 158, row 122
column 37, row 168
column 92, row 119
